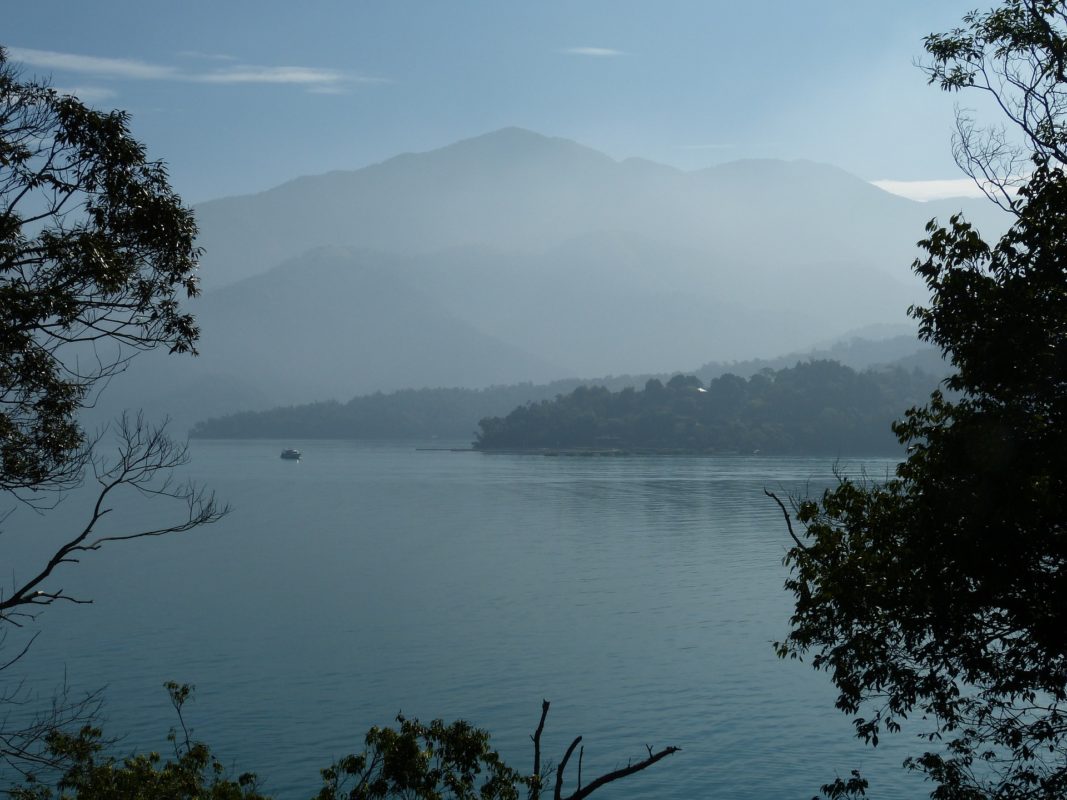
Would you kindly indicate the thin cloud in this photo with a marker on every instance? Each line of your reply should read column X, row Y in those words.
column 931, row 190
column 314, row 79
column 255, row 74
column 322, row 81
column 88, row 94
column 94, row 65
column 595, row 52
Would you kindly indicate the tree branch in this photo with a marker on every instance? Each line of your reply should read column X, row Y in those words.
column 145, row 460
column 535, row 786
column 562, row 766
column 584, row 791
column 629, row 769
column 788, row 520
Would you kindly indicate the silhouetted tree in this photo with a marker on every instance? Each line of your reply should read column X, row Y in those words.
column 413, row 761
column 942, row 594
column 95, row 252
column 1015, row 54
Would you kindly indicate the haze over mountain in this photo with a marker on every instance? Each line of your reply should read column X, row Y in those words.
column 518, row 257
column 516, row 190
column 331, row 324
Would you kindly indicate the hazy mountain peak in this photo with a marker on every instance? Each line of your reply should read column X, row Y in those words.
column 784, row 174
column 518, row 140
column 517, row 191
column 512, row 255
column 514, row 149
column 650, row 169
column 506, row 145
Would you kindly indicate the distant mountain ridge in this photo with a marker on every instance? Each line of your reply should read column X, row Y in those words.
column 331, row 324
column 514, row 257
column 517, row 190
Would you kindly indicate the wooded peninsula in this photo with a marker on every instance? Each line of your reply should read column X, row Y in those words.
column 817, row 407
column 813, row 407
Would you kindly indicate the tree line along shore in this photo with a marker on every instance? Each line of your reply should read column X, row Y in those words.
column 816, row 407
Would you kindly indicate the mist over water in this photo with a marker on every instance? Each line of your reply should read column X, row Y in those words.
column 640, row 595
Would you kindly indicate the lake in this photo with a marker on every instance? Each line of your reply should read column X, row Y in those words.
column 641, row 595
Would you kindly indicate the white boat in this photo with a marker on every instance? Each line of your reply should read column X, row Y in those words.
column 289, row 453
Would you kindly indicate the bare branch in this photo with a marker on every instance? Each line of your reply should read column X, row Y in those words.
column 562, row 766
column 788, row 519
column 535, row 787
column 581, row 755
column 23, row 741
column 629, row 769
column 144, row 462
column 584, row 791
column 21, row 653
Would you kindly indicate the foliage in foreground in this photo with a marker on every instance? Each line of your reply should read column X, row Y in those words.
column 89, row 773
column 943, row 593
column 97, row 253
column 96, row 250
column 439, row 761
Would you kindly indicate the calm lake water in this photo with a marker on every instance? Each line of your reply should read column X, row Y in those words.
column 641, row 595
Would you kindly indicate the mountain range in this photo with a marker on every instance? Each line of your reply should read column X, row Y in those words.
column 519, row 257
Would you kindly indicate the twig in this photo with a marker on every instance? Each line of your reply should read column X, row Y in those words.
column 535, row 788
column 788, row 521
column 629, row 769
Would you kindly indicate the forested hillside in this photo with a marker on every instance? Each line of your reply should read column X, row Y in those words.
column 453, row 413
column 812, row 408
column 405, row 414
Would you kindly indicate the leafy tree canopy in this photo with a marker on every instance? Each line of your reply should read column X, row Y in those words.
column 943, row 593
column 95, row 252
column 1016, row 54
column 414, row 761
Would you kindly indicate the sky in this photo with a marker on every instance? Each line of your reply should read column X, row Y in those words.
column 238, row 96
